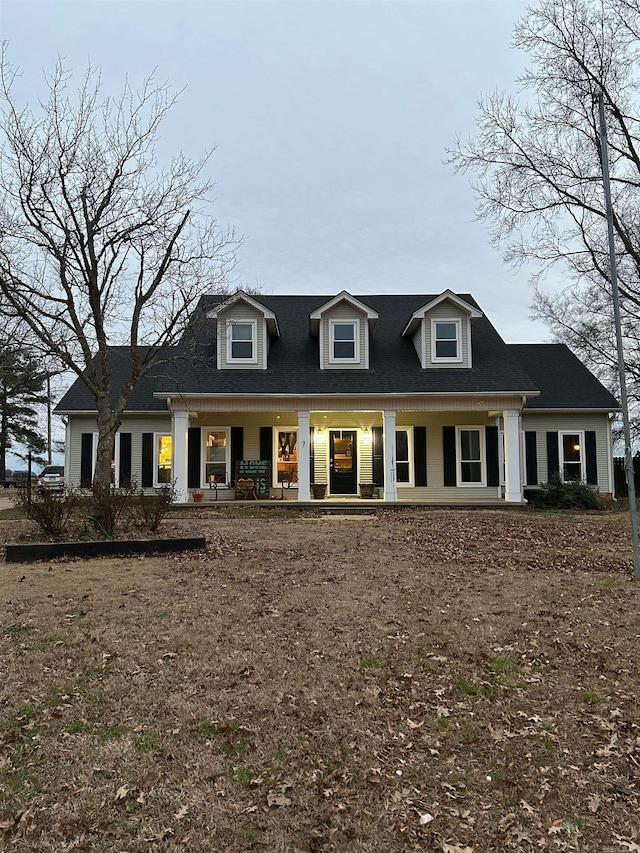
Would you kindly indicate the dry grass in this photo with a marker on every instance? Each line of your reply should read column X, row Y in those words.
column 433, row 681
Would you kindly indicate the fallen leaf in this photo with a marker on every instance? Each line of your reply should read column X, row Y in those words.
column 594, row 803
column 454, row 848
column 181, row 812
column 631, row 846
column 556, row 827
column 426, row 818
column 121, row 793
column 278, row 800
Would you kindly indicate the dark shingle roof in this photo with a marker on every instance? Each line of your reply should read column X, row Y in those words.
column 79, row 399
column 562, row 378
column 293, row 362
column 394, row 366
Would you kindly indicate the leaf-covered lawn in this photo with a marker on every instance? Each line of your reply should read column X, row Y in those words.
column 434, row 681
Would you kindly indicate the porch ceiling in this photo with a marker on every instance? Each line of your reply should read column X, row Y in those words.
column 328, row 403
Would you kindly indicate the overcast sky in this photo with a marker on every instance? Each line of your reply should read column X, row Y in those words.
column 331, row 121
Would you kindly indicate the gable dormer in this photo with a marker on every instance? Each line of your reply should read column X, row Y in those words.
column 244, row 330
column 343, row 326
column 441, row 332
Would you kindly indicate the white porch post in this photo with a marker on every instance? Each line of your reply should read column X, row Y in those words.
column 67, row 453
column 179, row 427
column 304, row 457
column 512, row 478
column 389, row 431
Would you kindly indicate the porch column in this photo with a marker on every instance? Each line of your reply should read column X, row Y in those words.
column 179, row 427
column 304, row 457
column 389, row 430
column 67, row 453
column 512, row 478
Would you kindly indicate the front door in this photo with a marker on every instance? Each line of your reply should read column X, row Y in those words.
column 343, row 462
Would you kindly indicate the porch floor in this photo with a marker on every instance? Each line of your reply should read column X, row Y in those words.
column 350, row 503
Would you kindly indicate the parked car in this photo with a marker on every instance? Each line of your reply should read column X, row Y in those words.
column 51, row 477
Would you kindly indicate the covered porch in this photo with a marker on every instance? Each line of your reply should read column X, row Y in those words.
column 425, row 450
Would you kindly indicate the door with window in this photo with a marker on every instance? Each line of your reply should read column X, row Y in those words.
column 343, row 462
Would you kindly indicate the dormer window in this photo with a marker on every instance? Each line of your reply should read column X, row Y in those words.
column 242, row 341
column 344, row 346
column 445, row 340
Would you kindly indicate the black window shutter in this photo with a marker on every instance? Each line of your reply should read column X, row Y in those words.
column 266, row 445
column 493, row 463
column 194, row 439
column 124, row 473
column 449, row 455
column 591, row 457
column 86, row 460
column 531, row 458
column 553, row 456
column 312, row 455
column 420, row 455
column 377, row 449
column 147, row 460
column 237, row 449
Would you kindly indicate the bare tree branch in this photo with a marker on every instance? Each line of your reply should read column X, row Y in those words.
column 538, row 163
column 99, row 244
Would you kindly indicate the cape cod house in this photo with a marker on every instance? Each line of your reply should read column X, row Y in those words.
column 417, row 395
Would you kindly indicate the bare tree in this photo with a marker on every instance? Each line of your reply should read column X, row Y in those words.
column 539, row 174
column 100, row 244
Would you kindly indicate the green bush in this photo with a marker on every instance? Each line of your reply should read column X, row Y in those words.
column 572, row 494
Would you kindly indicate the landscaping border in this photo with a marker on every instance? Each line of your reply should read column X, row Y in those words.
column 33, row 551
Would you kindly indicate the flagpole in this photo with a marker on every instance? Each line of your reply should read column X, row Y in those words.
column 613, row 274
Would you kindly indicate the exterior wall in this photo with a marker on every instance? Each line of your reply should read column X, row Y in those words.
column 344, row 311
column 435, row 491
column 363, row 422
column 417, row 341
column 321, row 459
column 550, row 422
column 135, row 424
column 241, row 311
column 448, row 311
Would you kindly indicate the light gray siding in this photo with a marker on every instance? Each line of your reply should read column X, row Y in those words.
column 136, row 425
column 448, row 311
column 241, row 311
column 344, row 311
column 435, row 490
column 550, row 422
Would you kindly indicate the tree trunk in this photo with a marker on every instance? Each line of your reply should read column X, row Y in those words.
column 3, row 437
column 108, row 425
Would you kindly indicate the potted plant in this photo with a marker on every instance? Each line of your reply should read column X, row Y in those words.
column 318, row 490
column 367, row 490
column 198, row 497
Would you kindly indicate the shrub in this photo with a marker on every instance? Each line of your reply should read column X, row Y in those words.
column 106, row 508
column 149, row 510
column 49, row 510
column 572, row 494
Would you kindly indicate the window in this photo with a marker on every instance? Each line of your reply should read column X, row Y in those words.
column 287, row 457
column 471, row 457
column 163, row 454
column 242, row 341
column 445, row 340
column 344, row 341
column 571, row 455
column 403, row 458
column 215, row 456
